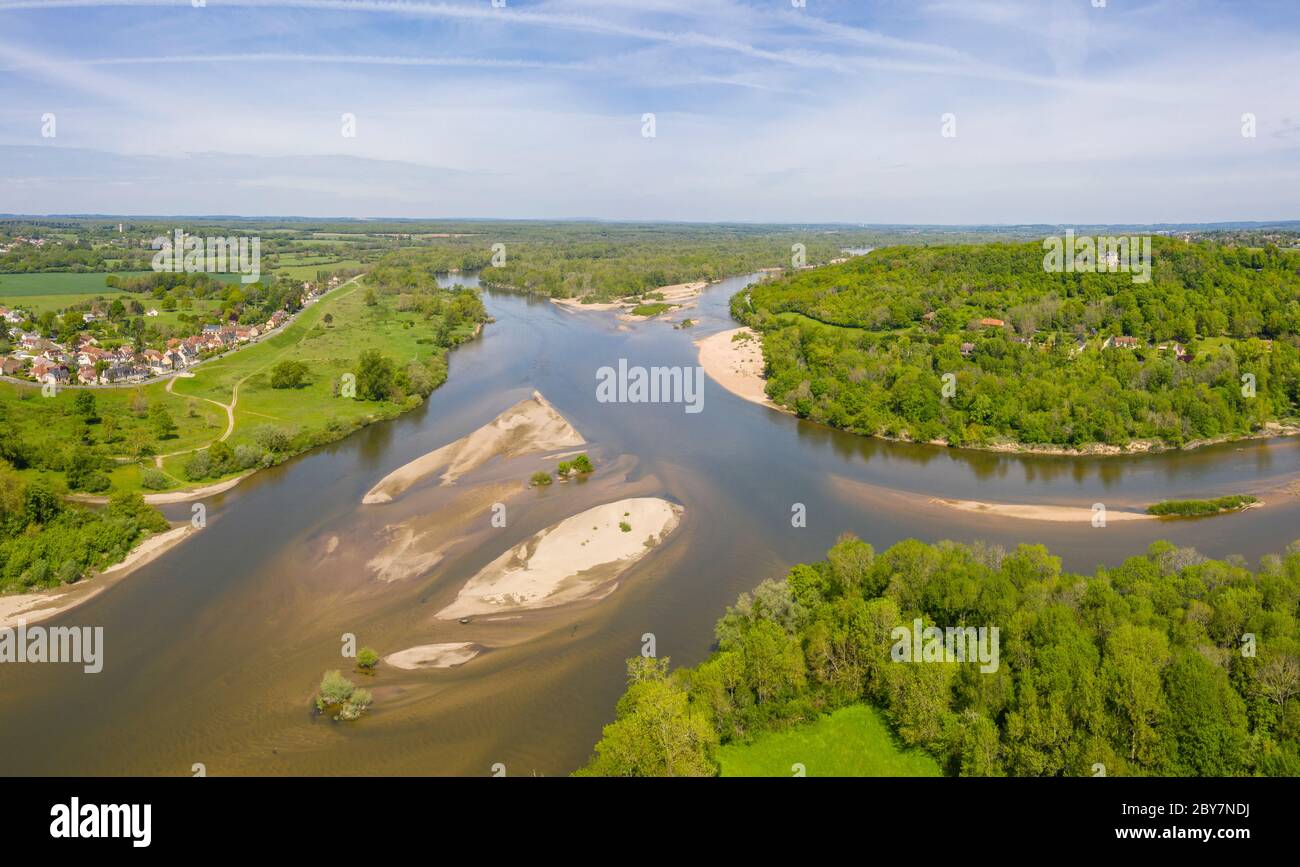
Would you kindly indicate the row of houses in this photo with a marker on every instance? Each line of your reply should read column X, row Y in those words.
column 87, row 363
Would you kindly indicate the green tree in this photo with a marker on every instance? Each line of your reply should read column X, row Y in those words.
column 163, row 426
column 376, row 376
column 657, row 731
column 289, row 374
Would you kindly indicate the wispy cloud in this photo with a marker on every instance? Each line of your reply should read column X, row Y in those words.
column 763, row 111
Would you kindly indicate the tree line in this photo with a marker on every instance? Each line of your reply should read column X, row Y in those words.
column 1168, row 664
column 865, row 345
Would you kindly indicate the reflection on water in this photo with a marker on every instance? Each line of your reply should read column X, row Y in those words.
column 213, row 651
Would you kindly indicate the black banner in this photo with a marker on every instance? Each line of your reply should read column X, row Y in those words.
column 248, row 815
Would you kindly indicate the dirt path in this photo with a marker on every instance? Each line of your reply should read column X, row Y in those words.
column 234, row 392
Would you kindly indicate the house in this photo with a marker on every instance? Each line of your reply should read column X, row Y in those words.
column 10, row 366
column 45, row 371
column 967, row 349
column 989, row 322
column 1180, row 351
column 1121, row 343
column 151, row 312
column 86, row 375
column 245, row 333
column 174, row 360
column 15, row 316
column 277, row 319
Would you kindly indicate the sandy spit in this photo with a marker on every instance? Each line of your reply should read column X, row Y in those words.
column 34, row 607
column 575, row 559
column 736, row 365
column 167, row 497
column 532, row 425
column 433, row 656
column 1032, row 512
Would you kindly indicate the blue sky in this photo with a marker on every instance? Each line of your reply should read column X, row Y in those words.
column 1064, row 111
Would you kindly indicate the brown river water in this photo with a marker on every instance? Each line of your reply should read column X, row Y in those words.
column 213, row 651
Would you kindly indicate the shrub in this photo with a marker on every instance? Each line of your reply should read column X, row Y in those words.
column 154, row 479
column 272, row 438
column 335, row 688
column 199, row 466
column 541, row 478
column 289, row 374
column 1192, row 508
column 247, row 456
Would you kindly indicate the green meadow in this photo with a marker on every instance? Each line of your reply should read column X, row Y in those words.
column 54, row 291
column 851, row 742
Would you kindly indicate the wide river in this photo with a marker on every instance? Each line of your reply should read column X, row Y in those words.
column 213, row 651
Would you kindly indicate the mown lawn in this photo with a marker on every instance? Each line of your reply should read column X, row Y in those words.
column 851, row 742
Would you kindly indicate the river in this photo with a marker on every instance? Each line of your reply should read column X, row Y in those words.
column 213, row 651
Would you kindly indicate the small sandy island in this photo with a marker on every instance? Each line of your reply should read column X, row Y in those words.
column 736, row 364
column 578, row 558
column 433, row 655
column 35, row 607
column 1032, row 512
column 679, row 295
column 532, row 425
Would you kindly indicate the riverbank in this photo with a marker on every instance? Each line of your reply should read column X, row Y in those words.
column 44, row 604
column 737, row 365
column 734, row 360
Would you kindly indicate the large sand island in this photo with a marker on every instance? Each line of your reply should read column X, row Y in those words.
column 578, row 558
column 734, row 360
column 532, row 425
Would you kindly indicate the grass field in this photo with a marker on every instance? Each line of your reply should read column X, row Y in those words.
column 329, row 351
column 851, row 742
column 51, row 425
column 41, row 292
column 57, row 290
column 313, row 266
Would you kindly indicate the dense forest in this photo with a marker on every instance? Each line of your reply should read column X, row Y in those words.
column 619, row 264
column 865, row 345
column 1169, row 664
column 45, row 542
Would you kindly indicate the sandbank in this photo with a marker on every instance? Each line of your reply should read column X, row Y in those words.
column 532, row 425
column 578, row 558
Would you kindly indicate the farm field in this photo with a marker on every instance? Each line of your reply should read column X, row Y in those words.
column 55, row 291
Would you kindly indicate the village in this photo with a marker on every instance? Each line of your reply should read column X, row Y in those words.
column 101, row 356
